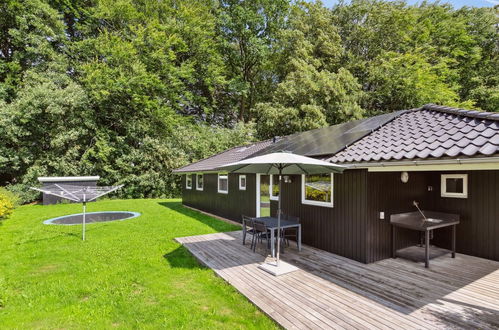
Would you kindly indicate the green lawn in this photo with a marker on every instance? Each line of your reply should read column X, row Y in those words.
column 127, row 274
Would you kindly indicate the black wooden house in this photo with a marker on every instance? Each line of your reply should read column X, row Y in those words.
column 447, row 159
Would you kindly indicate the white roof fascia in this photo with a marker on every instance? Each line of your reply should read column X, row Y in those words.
column 68, row 178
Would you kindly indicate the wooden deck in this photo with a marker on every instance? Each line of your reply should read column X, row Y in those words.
column 330, row 291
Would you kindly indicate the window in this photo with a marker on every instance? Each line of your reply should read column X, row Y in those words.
column 317, row 189
column 223, row 183
column 454, row 185
column 242, row 182
column 188, row 181
column 199, row 181
column 274, row 187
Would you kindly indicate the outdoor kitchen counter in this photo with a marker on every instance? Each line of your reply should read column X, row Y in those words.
column 415, row 221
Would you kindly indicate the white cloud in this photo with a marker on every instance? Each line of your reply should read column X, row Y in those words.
column 494, row 2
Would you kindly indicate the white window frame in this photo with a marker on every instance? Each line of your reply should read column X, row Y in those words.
column 317, row 203
column 188, row 181
column 242, row 176
column 197, row 181
column 218, row 183
column 271, row 184
column 258, row 192
column 443, row 185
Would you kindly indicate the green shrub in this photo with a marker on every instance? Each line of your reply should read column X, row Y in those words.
column 8, row 201
column 23, row 194
column 264, row 188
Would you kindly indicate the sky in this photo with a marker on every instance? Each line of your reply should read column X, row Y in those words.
column 455, row 3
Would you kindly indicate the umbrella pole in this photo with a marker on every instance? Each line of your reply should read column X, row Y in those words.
column 84, row 214
column 279, row 219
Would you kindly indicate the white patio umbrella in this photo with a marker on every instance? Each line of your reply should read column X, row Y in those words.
column 282, row 163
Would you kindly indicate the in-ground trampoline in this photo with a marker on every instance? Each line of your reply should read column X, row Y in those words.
column 90, row 217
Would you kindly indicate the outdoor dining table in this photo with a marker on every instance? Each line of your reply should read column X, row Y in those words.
column 271, row 224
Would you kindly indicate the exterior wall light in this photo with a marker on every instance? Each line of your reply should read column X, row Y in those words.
column 404, row 177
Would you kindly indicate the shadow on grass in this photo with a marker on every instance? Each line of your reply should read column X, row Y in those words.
column 182, row 258
column 59, row 235
column 52, row 232
column 216, row 224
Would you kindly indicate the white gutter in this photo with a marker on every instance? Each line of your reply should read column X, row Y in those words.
column 198, row 172
column 68, row 178
column 489, row 163
column 493, row 161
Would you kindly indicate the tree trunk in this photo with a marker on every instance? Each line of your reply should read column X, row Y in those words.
column 242, row 109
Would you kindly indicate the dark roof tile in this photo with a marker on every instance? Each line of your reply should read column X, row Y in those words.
column 480, row 127
column 470, row 150
column 454, row 151
column 480, row 141
column 448, row 144
column 438, row 152
column 489, row 149
column 466, row 129
column 424, row 153
column 421, row 146
column 434, row 145
column 458, row 136
column 408, row 148
column 399, row 147
column 432, row 132
column 419, row 140
column 399, row 155
column 430, row 138
column 488, row 132
column 463, row 142
column 472, row 135
column 388, row 155
column 411, row 154
column 443, row 138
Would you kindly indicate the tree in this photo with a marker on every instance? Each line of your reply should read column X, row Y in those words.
column 404, row 81
column 480, row 78
column 315, row 90
column 424, row 42
column 370, row 27
column 173, row 43
column 45, row 128
column 30, row 36
column 249, row 29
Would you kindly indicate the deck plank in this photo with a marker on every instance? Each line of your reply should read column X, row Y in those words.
column 333, row 292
